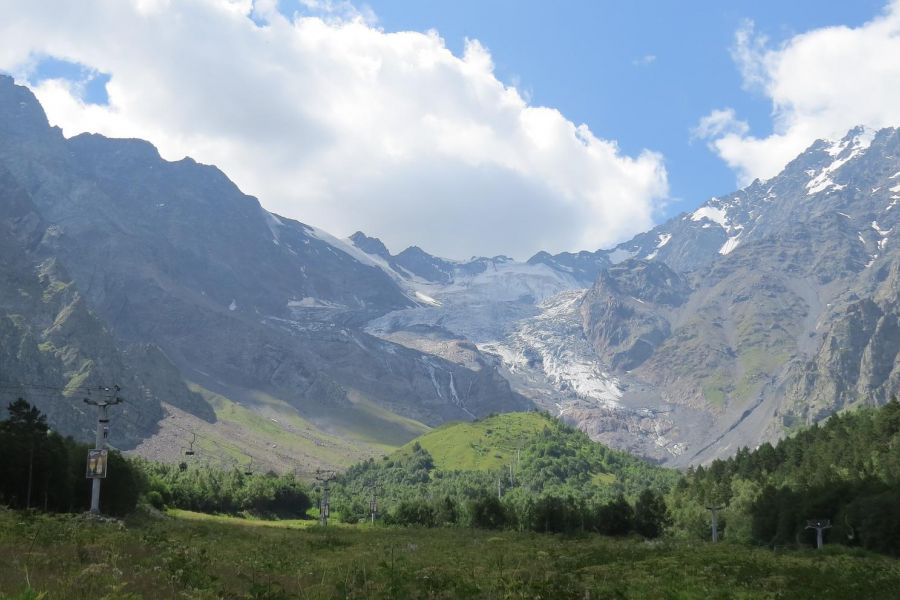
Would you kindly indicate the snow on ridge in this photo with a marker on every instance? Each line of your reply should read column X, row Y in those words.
column 857, row 144
column 274, row 223
column 720, row 217
column 345, row 247
column 711, row 213
column 662, row 239
column 837, row 147
column 865, row 138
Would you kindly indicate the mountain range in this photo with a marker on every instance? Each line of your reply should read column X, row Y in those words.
column 267, row 341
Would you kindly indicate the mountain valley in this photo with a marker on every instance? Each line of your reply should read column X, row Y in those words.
column 290, row 349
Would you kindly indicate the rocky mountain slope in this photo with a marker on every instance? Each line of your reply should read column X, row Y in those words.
column 761, row 310
column 790, row 318
column 241, row 304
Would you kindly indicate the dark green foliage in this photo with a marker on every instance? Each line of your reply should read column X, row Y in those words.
column 846, row 470
column 487, row 512
column 446, row 512
column 563, row 461
column 554, row 514
column 420, row 512
column 877, row 519
column 651, row 517
column 413, row 512
column 204, row 489
column 614, row 518
column 57, row 467
column 45, row 471
column 563, row 483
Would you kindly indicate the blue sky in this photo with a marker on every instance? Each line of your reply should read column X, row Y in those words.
column 354, row 117
column 587, row 59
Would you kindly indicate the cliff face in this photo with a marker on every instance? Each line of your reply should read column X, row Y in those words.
column 152, row 273
column 792, row 317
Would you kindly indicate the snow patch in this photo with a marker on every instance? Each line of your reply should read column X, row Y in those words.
column 711, row 213
column 427, row 299
column 664, row 239
column 730, row 244
column 274, row 224
column 310, row 302
column 881, row 232
column 856, row 145
column 884, row 235
column 345, row 247
column 232, row 306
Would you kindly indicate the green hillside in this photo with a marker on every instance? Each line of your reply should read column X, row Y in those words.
column 531, row 450
column 521, row 457
column 488, row 444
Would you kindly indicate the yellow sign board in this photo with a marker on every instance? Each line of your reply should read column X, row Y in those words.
column 96, row 464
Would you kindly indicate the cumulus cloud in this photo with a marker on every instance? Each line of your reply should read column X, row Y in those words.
column 332, row 121
column 821, row 83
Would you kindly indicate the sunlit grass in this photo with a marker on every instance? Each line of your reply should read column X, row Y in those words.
column 484, row 445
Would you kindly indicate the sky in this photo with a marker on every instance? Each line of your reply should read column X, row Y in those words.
column 467, row 127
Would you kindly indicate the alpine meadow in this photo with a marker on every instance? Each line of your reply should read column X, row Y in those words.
column 313, row 299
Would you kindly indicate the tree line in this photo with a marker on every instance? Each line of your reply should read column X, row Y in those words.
column 846, row 469
column 46, row 471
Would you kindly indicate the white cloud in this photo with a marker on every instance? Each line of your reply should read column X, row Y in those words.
column 339, row 124
column 646, row 60
column 720, row 123
column 821, row 83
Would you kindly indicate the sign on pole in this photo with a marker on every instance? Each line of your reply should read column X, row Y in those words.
column 96, row 464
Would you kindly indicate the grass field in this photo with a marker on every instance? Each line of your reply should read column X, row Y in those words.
column 197, row 556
